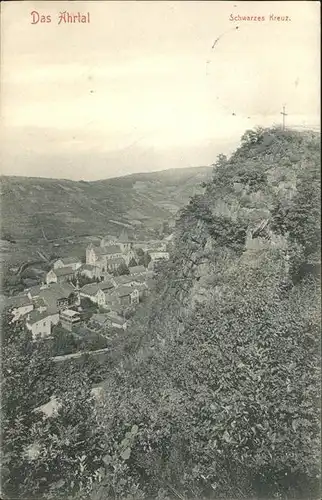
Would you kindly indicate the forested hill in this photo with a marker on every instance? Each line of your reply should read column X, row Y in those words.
column 32, row 207
column 225, row 387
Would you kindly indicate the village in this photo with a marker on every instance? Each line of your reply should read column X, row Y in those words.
column 98, row 296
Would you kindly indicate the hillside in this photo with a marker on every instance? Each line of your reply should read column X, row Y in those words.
column 64, row 208
column 225, row 386
column 60, row 217
column 213, row 392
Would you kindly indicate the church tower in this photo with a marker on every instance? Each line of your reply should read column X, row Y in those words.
column 77, row 292
column 124, row 241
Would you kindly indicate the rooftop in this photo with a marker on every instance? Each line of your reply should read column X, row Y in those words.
column 63, row 271
column 34, row 290
column 105, row 285
column 70, row 313
column 39, row 302
column 137, row 269
column 116, row 260
column 138, row 279
column 90, row 289
column 141, row 286
column 110, row 249
column 87, row 267
column 123, row 280
column 35, row 316
column 123, row 291
column 54, row 292
column 69, row 260
column 99, row 318
column 18, row 301
column 116, row 318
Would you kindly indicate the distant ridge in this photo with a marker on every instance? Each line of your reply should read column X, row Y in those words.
column 165, row 172
column 63, row 207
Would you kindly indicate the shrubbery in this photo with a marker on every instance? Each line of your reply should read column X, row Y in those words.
column 214, row 399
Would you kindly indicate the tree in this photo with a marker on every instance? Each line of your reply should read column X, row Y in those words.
column 139, row 252
column 122, row 270
column 88, row 304
column 300, row 216
column 146, row 259
column 67, row 450
column 252, row 136
column 27, row 382
column 54, row 456
column 63, row 342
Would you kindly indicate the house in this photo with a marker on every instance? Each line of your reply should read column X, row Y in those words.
column 150, row 282
column 114, row 305
column 126, row 295
column 115, row 320
column 40, row 324
column 105, row 275
column 69, row 319
column 125, row 280
column 59, row 275
column 142, row 289
column 58, row 296
column 128, row 280
column 19, row 306
column 114, row 263
column 137, row 271
column 98, row 322
column 39, row 304
column 106, row 286
column 158, row 245
column 89, row 271
column 135, row 297
column 34, row 291
column 73, row 262
column 156, row 254
column 93, row 292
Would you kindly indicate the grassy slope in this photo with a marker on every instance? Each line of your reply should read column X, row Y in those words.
column 69, row 212
column 64, row 208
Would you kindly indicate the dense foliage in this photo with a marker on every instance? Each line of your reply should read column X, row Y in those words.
column 41, row 456
column 224, row 389
column 214, row 391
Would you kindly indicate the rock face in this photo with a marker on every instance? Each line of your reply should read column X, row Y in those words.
column 237, row 213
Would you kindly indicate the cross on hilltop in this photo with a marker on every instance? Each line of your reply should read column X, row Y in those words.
column 284, row 114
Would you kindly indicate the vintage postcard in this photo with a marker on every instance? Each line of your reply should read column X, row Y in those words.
column 160, row 250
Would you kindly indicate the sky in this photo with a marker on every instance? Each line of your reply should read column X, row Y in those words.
column 139, row 88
